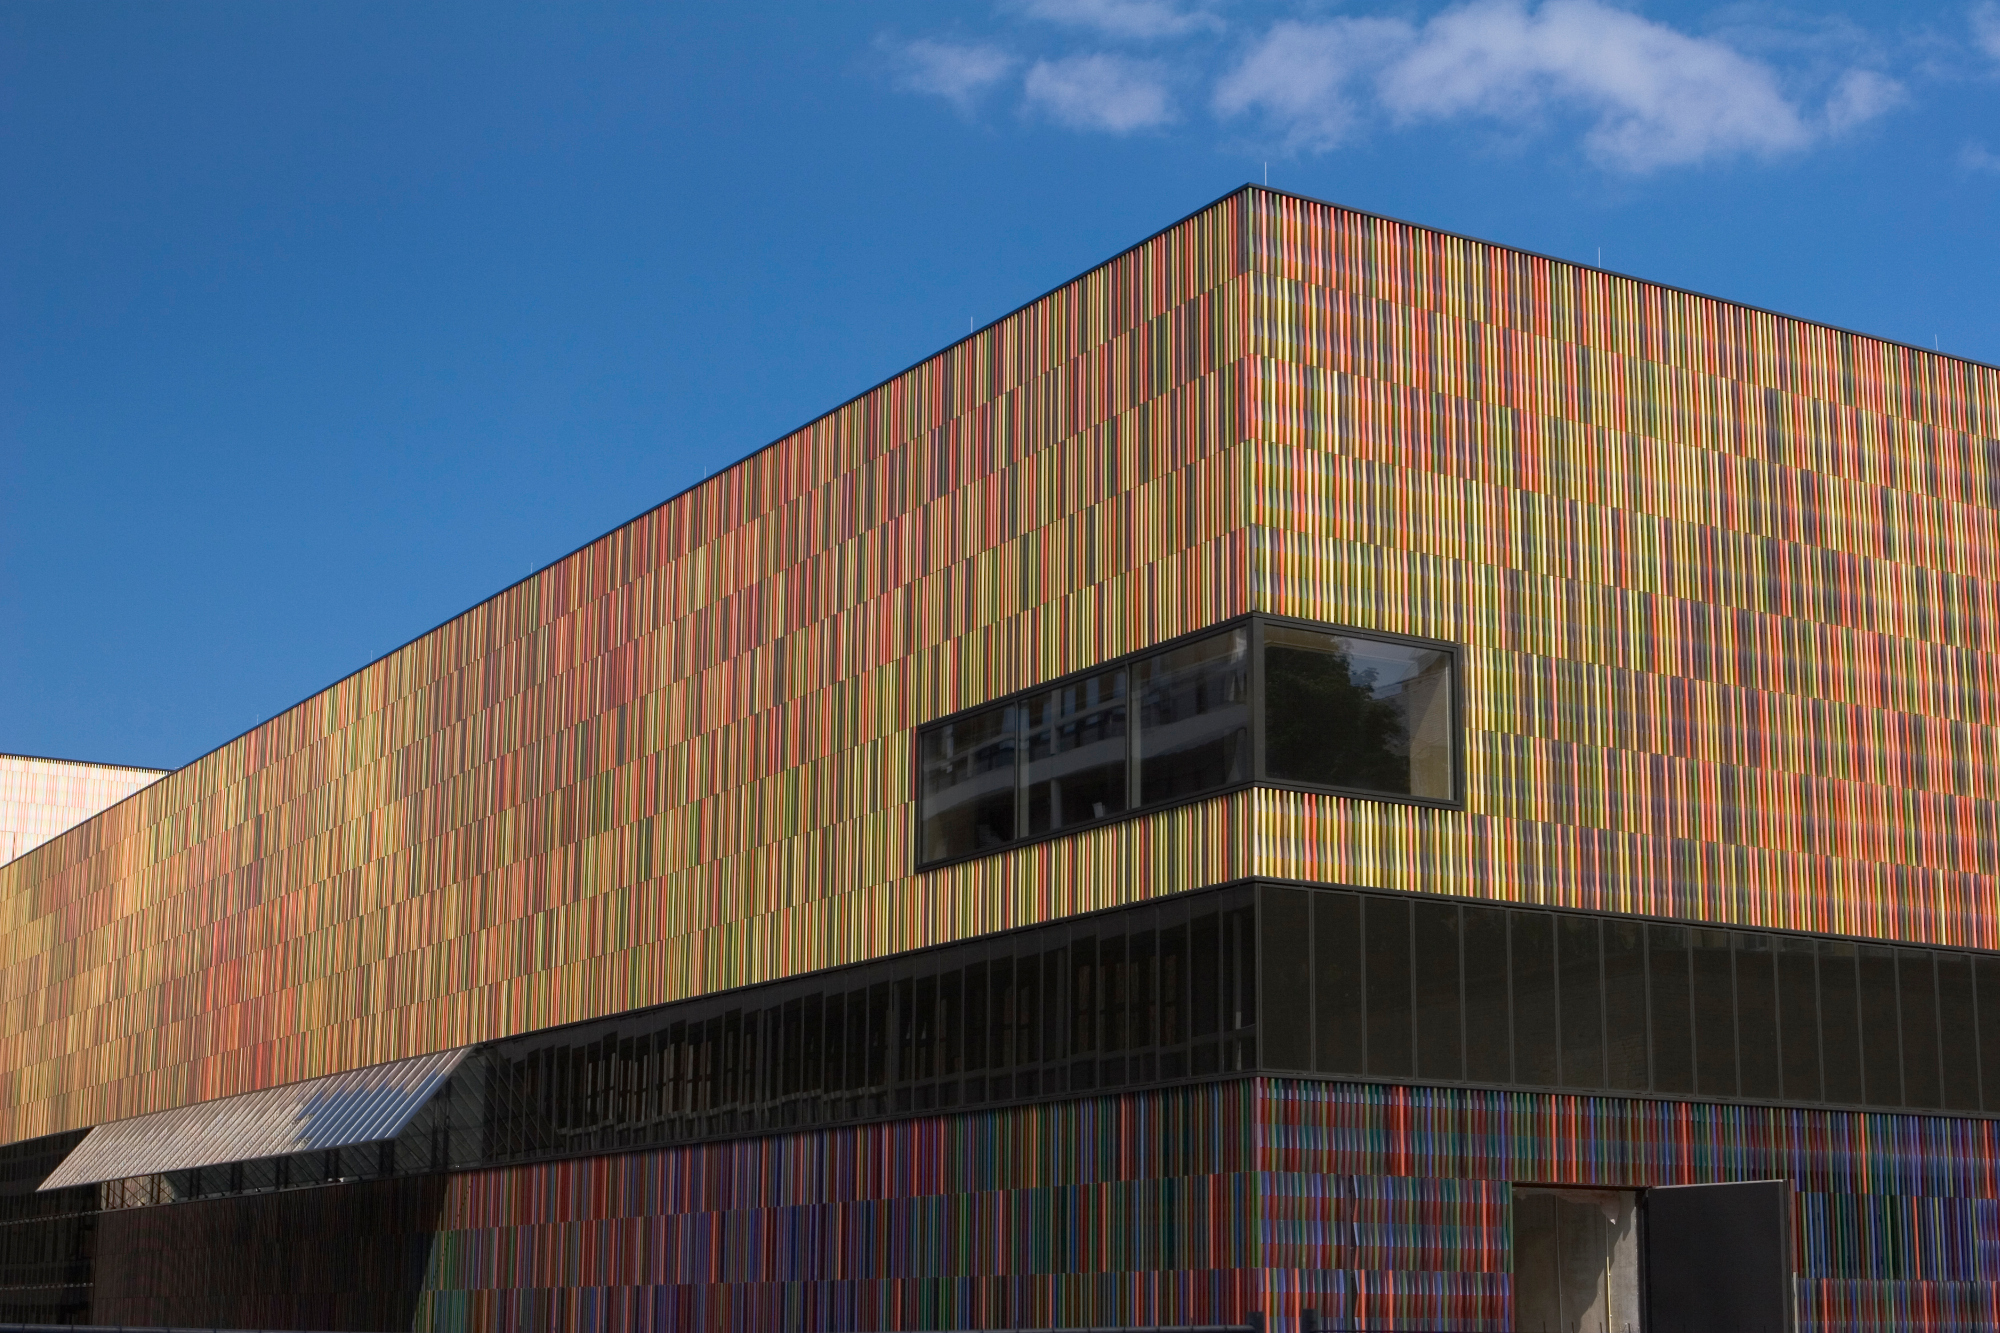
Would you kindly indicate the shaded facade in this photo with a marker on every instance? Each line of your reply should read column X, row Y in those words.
column 1189, row 801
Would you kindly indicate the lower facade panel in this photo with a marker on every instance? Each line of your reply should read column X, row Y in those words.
column 1373, row 1206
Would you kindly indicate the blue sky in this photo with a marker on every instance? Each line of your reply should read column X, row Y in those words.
column 319, row 323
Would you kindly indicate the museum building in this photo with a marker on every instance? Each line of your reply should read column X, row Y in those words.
column 1323, row 771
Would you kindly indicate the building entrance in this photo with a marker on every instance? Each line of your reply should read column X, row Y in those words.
column 1576, row 1261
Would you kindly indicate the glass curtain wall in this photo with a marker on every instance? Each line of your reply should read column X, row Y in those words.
column 1412, row 988
column 1220, row 983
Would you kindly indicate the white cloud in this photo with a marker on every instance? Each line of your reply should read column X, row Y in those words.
column 1100, row 92
column 1986, row 28
column 1300, row 72
column 1658, row 96
column 1860, row 95
column 1978, row 157
column 958, row 73
column 1124, row 18
column 1654, row 96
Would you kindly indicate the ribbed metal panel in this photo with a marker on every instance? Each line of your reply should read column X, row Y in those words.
column 360, row 1106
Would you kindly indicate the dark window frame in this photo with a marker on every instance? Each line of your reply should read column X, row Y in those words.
column 1254, row 624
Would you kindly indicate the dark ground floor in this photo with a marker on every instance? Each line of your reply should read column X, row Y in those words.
column 1378, row 1207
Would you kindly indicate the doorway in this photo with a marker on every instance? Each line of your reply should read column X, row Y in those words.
column 1576, row 1261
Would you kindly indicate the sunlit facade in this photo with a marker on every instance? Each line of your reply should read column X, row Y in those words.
column 40, row 798
column 1322, row 769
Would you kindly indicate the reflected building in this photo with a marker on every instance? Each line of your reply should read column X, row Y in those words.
column 1322, row 770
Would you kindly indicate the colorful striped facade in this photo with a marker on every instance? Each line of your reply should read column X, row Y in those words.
column 1377, row 1207
column 1721, row 585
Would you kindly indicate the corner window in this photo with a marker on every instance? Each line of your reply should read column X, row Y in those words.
column 1194, row 718
column 1257, row 701
column 1357, row 714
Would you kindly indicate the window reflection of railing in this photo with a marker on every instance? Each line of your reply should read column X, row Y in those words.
column 1144, row 995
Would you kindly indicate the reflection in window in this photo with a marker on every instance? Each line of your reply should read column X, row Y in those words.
column 1194, row 717
column 1347, row 712
column 1342, row 711
column 1076, row 753
column 968, row 784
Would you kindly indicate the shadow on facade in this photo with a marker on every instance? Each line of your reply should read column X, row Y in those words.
column 342, row 1258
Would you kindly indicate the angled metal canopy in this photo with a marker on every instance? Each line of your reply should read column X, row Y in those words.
column 338, row 1111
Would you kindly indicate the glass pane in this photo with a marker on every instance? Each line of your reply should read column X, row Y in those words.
column 1076, row 753
column 1881, row 1064
column 1194, row 718
column 1173, row 985
column 1438, row 1032
column 1958, row 1027
column 1756, row 1016
column 1239, row 993
column 791, row 1048
column 1714, row 1014
column 1337, row 983
column 1027, row 1009
column 1055, row 1004
column 1534, row 952
column 1582, row 1003
column 1085, row 999
column 1344, row 711
column 951, row 1024
column 1488, row 1047
column 1839, row 1023
column 1085, row 1006
column 812, row 1075
column 1003, row 1046
column 1145, row 990
column 1921, row 1086
column 968, row 784
column 1798, row 1018
column 853, row 1013
column 1113, row 991
column 1387, row 932
column 1204, row 975
column 977, row 1024
column 880, row 1020
column 1673, row 1035
column 1625, row 1005
column 1287, row 979
column 1986, row 979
